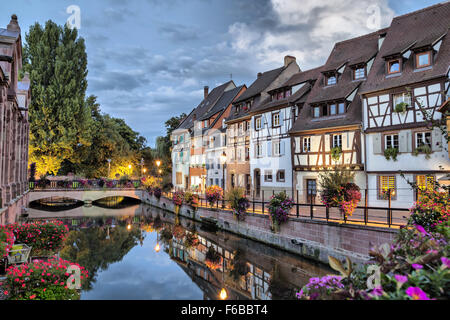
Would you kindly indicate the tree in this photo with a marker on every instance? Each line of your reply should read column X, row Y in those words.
column 60, row 120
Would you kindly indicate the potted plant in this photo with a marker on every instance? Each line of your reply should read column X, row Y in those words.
column 336, row 153
column 213, row 195
column 338, row 190
column 426, row 149
column 238, row 202
column 177, row 199
column 279, row 207
column 191, row 199
column 391, row 153
column 401, row 107
column 157, row 192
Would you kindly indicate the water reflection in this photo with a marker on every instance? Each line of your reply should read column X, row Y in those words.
column 152, row 254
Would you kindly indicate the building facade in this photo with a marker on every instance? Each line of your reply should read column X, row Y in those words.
column 402, row 95
column 14, row 127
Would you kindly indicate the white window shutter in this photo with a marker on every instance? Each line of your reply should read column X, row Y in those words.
column 269, row 149
column 436, row 139
column 377, row 143
column 282, row 147
column 281, row 117
column 402, row 141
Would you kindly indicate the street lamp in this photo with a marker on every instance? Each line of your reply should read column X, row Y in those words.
column 158, row 164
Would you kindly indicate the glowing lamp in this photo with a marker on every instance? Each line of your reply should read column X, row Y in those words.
column 223, row 294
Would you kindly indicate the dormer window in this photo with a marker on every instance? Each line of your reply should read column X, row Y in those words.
column 249, row 104
column 394, row 66
column 280, row 95
column 288, row 93
column 359, row 73
column 329, row 109
column 331, row 80
column 423, row 59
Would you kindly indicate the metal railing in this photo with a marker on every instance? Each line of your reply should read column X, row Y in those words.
column 83, row 184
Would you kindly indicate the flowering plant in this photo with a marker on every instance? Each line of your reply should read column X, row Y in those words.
column 214, row 194
column 191, row 240
column 431, row 209
column 178, row 232
column 32, row 280
column 238, row 202
column 43, row 236
column 346, row 197
column 320, row 288
column 178, row 198
column 191, row 199
column 157, row 192
column 279, row 207
column 6, row 241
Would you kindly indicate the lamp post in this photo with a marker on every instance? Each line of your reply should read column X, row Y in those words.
column 158, row 164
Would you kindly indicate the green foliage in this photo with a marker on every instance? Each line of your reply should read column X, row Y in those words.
column 51, row 292
column 391, row 153
column 336, row 153
column 400, row 107
column 426, row 149
column 333, row 180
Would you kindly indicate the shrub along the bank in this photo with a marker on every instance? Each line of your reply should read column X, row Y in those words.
column 6, row 241
column 45, row 237
column 41, row 280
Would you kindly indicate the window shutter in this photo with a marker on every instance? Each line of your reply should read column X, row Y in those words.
column 282, row 147
column 269, row 149
column 377, row 143
column 263, row 122
column 281, row 117
column 402, row 141
column 436, row 140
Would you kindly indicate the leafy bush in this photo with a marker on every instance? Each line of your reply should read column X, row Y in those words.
column 279, row 207
column 213, row 194
column 400, row 107
column 45, row 237
column 6, row 241
column 191, row 199
column 432, row 209
column 336, row 153
column 238, row 202
column 33, row 280
column 191, row 240
column 391, row 153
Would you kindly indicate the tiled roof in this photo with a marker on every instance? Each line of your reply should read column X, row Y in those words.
column 302, row 76
column 412, row 31
column 9, row 33
column 205, row 105
column 224, row 101
column 261, row 83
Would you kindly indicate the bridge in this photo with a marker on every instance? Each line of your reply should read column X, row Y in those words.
column 85, row 195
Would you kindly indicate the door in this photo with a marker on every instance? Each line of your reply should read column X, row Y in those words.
column 257, row 182
column 247, row 184
column 311, row 190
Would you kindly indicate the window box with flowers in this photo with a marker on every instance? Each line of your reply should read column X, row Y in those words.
column 177, row 199
column 213, row 195
column 401, row 107
column 336, row 153
column 391, row 153
column 238, row 202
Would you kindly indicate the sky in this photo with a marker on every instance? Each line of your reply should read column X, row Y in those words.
column 149, row 60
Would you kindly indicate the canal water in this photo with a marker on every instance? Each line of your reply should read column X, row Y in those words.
column 143, row 253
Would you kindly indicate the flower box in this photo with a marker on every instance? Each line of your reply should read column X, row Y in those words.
column 19, row 253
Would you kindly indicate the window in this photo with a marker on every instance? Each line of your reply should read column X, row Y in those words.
column 258, row 123
column 280, row 95
column 341, row 108
column 239, row 154
column 324, row 110
column 394, row 66
column 247, row 125
column 247, row 153
column 268, row 176
column 423, row 139
column 331, row 80
column 307, row 144
column 337, row 141
column 423, row 59
column 205, row 123
column 276, row 148
column 316, row 112
column 425, row 182
column 391, row 141
column 275, row 119
column 179, row 177
column 332, row 109
column 281, row 176
column 259, row 150
column 401, row 98
column 241, row 128
column 249, row 104
column 359, row 73
column 287, row 93
column 386, row 184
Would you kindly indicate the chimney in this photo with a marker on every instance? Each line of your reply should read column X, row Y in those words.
column 288, row 60
column 13, row 24
column 206, row 91
column 259, row 74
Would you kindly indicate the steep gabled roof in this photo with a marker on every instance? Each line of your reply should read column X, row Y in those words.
column 261, row 83
column 225, row 100
column 412, row 31
column 206, row 105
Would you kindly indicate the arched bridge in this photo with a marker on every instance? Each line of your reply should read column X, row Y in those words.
column 85, row 195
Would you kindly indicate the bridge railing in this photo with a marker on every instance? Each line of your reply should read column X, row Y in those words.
column 84, row 184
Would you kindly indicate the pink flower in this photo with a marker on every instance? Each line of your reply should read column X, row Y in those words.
column 446, row 262
column 401, row 279
column 416, row 293
column 417, row 266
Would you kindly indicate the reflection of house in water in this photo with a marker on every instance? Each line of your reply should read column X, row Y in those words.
column 254, row 285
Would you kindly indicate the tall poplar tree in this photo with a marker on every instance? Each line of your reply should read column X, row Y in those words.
column 60, row 119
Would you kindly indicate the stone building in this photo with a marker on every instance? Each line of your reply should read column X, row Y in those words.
column 14, row 126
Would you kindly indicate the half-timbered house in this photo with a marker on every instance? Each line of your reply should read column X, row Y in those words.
column 402, row 94
column 327, row 133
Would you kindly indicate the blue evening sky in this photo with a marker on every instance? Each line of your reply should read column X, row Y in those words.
column 149, row 59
